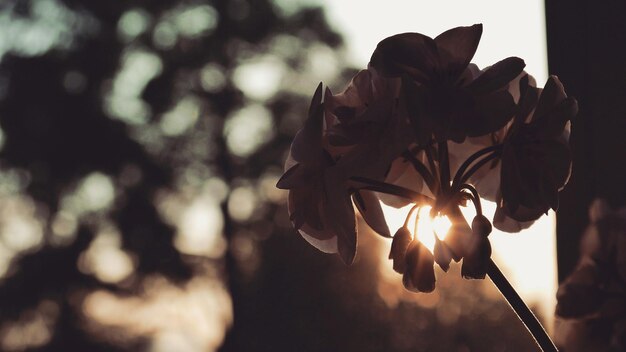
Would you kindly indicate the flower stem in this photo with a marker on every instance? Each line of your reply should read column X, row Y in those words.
column 420, row 168
column 523, row 312
column 433, row 169
column 388, row 188
column 471, row 159
column 444, row 165
column 477, row 166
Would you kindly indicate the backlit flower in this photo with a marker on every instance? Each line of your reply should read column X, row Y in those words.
column 320, row 206
column 423, row 126
column 367, row 126
column 413, row 260
column 536, row 159
column 446, row 97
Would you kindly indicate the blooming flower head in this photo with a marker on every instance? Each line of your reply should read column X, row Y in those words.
column 423, row 126
column 447, row 101
column 536, row 160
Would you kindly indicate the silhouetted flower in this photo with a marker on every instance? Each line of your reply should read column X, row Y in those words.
column 399, row 245
column 417, row 113
column 367, row 126
column 536, row 160
column 319, row 204
column 592, row 300
column 419, row 275
column 356, row 133
column 446, row 98
column 476, row 260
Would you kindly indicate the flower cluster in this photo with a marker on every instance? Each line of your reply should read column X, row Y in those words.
column 592, row 300
column 423, row 126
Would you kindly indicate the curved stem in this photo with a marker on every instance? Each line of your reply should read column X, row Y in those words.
column 433, row 168
column 408, row 216
column 420, row 168
column 523, row 312
column 477, row 166
column 475, row 197
column 444, row 165
column 383, row 187
column 473, row 158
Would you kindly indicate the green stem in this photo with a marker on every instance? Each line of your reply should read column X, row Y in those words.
column 523, row 312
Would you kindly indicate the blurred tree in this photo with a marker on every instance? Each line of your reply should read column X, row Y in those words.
column 109, row 110
column 140, row 145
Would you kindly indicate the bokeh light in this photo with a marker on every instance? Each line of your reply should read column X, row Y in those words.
column 140, row 146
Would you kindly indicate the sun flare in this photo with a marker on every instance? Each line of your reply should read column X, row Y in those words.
column 420, row 223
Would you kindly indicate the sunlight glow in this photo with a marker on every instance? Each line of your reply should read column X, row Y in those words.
column 426, row 227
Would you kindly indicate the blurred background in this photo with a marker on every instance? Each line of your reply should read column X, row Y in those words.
column 140, row 145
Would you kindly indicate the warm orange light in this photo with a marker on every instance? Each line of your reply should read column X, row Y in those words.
column 427, row 228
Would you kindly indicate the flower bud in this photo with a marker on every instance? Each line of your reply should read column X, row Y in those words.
column 481, row 226
column 420, row 271
column 476, row 262
column 399, row 246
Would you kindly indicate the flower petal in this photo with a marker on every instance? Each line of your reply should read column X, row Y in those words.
column 503, row 222
column 307, row 143
column 402, row 173
column 304, row 209
column 459, row 234
column 420, row 271
column 356, row 95
column 475, row 263
column 493, row 112
column 401, row 241
column 338, row 215
column 328, row 245
column 293, row 178
column 316, row 100
column 407, row 53
column 442, row 254
column 457, row 46
column 481, row 227
column 553, row 124
column 553, row 93
column 371, row 211
column 497, row 76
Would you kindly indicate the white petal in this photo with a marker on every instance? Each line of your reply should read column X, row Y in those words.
column 326, row 246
